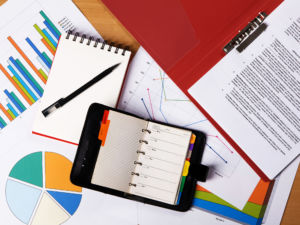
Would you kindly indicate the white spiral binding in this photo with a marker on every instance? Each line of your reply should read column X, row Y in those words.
column 139, row 152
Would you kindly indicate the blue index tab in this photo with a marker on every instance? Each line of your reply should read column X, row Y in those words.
column 13, row 101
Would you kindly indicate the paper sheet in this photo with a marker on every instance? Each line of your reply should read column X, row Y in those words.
column 280, row 194
column 148, row 92
column 254, row 95
column 17, row 20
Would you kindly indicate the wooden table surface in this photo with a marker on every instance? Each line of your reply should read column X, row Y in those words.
column 110, row 28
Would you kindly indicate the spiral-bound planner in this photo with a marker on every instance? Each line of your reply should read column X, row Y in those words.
column 147, row 157
column 134, row 158
column 79, row 59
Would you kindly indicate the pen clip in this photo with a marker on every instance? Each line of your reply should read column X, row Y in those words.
column 46, row 112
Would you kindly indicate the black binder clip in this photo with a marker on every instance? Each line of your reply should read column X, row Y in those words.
column 246, row 36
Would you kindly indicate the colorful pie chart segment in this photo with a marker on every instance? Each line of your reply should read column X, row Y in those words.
column 29, row 196
column 29, row 169
column 39, row 190
column 55, row 179
column 69, row 201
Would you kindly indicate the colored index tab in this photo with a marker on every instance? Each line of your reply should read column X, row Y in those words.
column 103, row 132
column 193, row 139
column 105, row 116
column 104, row 127
column 186, row 168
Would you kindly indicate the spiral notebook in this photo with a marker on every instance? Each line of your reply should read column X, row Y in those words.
column 148, row 161
column 79, row 59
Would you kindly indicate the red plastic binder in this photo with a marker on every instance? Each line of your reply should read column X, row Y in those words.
column 187, row 37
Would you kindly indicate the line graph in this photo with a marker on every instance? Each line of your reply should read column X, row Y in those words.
column 217, row 153
column 150, row 104
column 216, row 136
column 146, row 108
column 150, row 93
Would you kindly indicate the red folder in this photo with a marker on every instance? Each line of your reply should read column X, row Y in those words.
column 186, row 37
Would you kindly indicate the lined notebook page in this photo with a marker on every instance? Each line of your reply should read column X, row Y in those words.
column 116, row 158
column 162, row 158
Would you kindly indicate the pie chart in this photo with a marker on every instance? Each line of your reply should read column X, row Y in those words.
column 39, row 191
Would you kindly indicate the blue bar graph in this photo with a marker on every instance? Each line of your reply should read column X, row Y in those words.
column 53, row 37
column 2, row 122
column 12, row 110
column 13, row 101
column 14, row 107
column 22, row 82
column 49, row 37
column 51, row 30
column 43, row 64
column 25, row 76
column 18, row 100
column 38, row 52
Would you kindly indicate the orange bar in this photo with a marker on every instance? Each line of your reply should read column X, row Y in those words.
column 48, row 46
column 199, row 188
column 15, row 84
column 26, row 59
column 259, row 193
column 5, row 112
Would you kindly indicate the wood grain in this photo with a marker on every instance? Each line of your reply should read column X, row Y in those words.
column 105, row 23
column 2, row 1
column 109, row 27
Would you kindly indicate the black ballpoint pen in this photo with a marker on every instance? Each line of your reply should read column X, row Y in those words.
column 65, row 100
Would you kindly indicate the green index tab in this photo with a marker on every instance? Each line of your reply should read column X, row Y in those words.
column 29, row 169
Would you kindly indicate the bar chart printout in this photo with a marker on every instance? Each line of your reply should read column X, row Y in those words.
column 24, row 70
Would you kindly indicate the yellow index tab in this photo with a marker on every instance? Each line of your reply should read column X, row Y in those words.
column 186, row 168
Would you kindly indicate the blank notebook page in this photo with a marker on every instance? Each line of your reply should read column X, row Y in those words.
column 116, row 158
column 75, row 64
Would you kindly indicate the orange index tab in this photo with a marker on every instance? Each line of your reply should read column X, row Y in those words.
column 104, row 127
column 193, row 139
column 103, row 132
